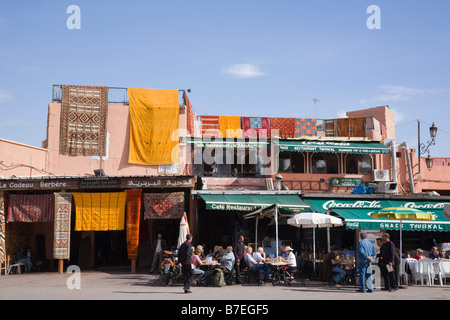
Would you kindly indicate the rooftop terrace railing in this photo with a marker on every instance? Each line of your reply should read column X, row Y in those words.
column 115, row 94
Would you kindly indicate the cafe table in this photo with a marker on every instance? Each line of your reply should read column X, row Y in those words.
column 279, row 274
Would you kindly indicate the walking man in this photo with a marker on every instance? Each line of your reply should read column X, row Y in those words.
column 184, row 257
column 366, row 255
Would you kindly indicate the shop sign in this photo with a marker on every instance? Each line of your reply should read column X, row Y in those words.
column 345, row 182
column 99, row 183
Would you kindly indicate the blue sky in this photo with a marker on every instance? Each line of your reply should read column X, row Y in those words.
column 245, row 58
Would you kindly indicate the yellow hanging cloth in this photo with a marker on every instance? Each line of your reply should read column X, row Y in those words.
column 230, row 126
column 154, row 119
column 100, row 211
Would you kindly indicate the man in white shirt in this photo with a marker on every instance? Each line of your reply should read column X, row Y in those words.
column 257, row 267
column 259, row 255
column 290, row 257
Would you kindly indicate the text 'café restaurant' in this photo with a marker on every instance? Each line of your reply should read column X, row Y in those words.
column 59, row 218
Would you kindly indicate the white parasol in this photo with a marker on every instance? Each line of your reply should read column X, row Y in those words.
column 314, row 220
column 184, row 230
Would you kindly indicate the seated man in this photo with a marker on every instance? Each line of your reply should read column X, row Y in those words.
column 257, row 267
column 20, row 257
column 290, row 258
column 330, row 265
column 227, row 261
column 260, row 255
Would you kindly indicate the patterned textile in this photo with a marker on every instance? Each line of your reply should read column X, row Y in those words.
column 100, row 211
column 154, row 124
column 285, row 126
column 164, row 205
column 210, row 126
column 133, row 222
column 189, row 116
column 31, row 208
column 305, row 127
column 61, row 233
column 383, row 131
column 2, row 228
column 83, row 120
column 230, row 127
column 256, row 127
column 331, row 127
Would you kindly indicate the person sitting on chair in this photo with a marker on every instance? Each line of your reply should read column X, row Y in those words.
column 290, row 258
column 227, row 261
column 330, row 264
column 20, row 257
column 257, row 267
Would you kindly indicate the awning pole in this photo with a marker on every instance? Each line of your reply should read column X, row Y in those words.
column 328, row 236
column 256, row 234
column 276, row 228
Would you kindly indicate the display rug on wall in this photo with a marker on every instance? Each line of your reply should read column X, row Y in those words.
column 104, row 211
column 83, row 120
column 31, row 208
column 61, row 234
column 133, row 221
column 164, row 205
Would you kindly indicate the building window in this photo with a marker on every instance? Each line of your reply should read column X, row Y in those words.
column 291, row 162
column 324, row 163
column 223, row 162
column 358, row 164
column 284, row 163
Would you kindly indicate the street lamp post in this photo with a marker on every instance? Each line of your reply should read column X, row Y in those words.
column 422, row 148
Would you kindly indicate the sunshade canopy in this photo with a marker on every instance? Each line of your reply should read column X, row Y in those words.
column 403, row 213
column 314, row 220
column 358, row 147
column 358, row 213
column 251, row 202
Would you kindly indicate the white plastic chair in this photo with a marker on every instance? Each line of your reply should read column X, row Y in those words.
column 16, row 266
column 414, row 267
column 438, row 272
column 403, row 271
column 425, row 269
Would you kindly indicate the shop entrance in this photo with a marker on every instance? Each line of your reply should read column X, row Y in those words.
column 96, row 249
column 169, row 228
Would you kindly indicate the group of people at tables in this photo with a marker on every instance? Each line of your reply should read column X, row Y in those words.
column 257, row 261
column 435, row 254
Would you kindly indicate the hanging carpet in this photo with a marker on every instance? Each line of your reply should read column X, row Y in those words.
column 83, row 120
column 100, row 211
column 164, row 205
column 154, row 118
column 31, row 208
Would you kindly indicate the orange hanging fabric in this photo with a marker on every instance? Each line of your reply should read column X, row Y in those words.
column 133, row 222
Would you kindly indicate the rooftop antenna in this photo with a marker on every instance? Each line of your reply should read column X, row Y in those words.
column 315, row 107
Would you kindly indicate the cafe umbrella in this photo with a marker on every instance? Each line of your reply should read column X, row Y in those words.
column 314, row 220
column 400, row 213
column 184, row 230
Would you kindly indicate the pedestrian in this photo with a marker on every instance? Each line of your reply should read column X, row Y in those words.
column 158, row 247
column 387, row 263
column 366, row 254
column 184, row 257
column 239, row 251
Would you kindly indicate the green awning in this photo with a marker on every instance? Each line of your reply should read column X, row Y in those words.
column 357, row 147
column 251, row 202
column 229, row 143
column 356, row 214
